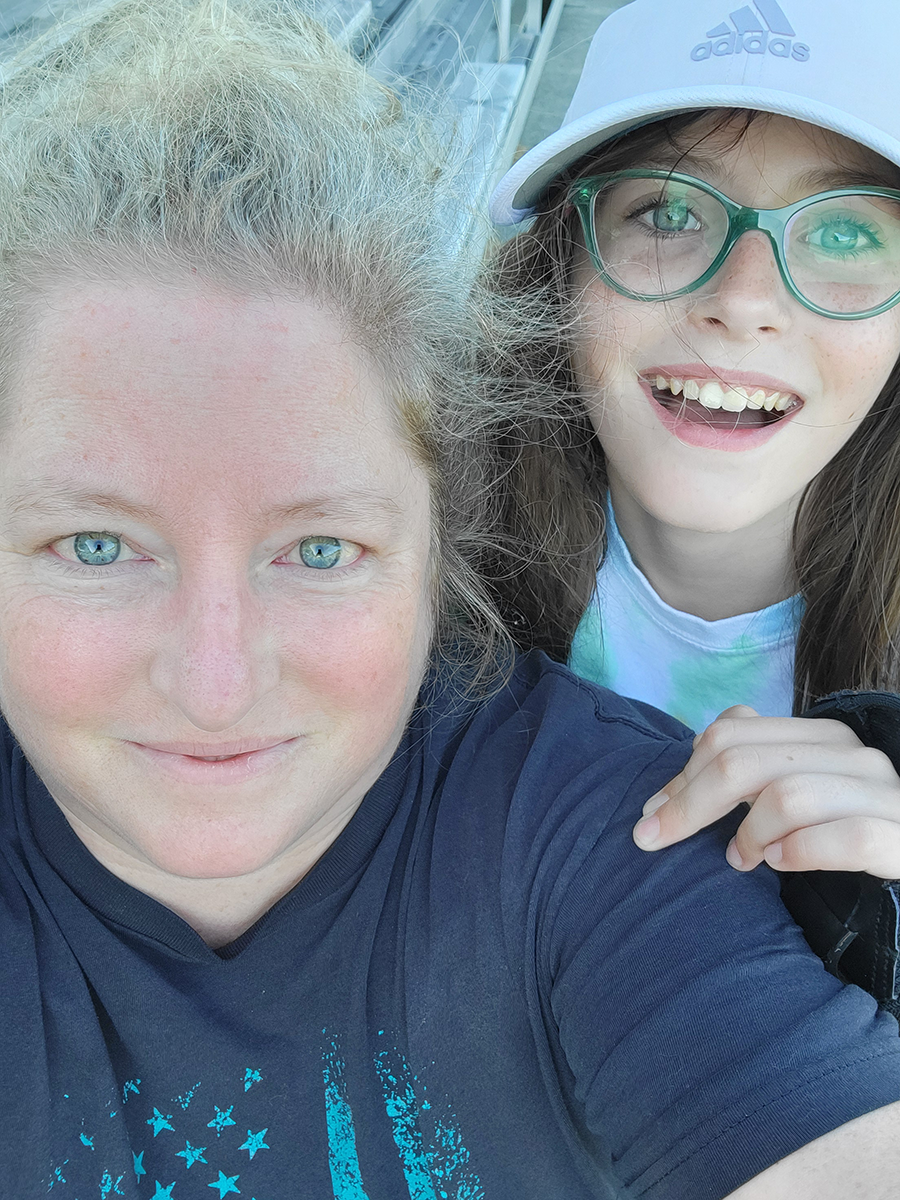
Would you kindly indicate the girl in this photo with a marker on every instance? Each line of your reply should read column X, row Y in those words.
column 705, row 349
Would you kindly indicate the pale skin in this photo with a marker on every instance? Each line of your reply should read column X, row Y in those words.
column 213, row 630
column 711, row 528
column 208, row 634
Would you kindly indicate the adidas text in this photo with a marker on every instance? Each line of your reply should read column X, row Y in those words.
column 750, row 43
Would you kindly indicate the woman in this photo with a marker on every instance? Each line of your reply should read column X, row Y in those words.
column 285, row 910
column 714, row 265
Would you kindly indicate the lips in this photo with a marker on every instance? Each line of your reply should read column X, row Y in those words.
column 213, row 752
column 226, row 763
column 719, row 409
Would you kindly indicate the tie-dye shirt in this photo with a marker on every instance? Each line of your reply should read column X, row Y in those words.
column 482, row 991
column 633, row 642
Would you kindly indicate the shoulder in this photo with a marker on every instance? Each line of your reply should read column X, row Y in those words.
column 541, row 692
column 547, row 714
column 550, row 755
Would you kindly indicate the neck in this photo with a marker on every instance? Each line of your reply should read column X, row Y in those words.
column 712, row 574
column 218, row 909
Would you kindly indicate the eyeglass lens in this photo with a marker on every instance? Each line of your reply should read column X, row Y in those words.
column 656, row 237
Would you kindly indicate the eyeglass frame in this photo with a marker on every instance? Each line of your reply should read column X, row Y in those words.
column 773, row 222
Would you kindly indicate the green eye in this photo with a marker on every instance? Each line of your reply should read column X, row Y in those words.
column 97, row 549
column 843, row 236
column 673, row 218
column 321, row 552
column 671, row 215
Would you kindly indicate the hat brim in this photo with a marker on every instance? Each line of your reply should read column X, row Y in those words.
column 525, row 182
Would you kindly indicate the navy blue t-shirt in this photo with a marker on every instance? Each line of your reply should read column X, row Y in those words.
column 482, row 991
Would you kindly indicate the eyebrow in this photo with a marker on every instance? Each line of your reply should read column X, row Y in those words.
column 829, row 178
column 55, row 498
column 824, row 179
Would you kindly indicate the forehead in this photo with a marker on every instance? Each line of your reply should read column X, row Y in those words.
column 720, row 142
column 192, row 385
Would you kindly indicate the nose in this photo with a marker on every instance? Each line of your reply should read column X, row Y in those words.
column 746, row 298
column 217, row 659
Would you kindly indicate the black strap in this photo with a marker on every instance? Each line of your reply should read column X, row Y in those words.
column 851, row 919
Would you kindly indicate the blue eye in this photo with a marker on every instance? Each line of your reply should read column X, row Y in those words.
column 321, row 552
column 97, row 549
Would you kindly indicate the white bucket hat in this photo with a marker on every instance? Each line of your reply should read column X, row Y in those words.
column 833, row 63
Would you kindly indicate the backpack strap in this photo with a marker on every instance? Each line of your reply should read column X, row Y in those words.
column 852, row 919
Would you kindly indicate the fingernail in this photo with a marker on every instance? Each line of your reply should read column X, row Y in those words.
column 646, row 832
column 733, row 855
column 773, row 854
column 654, row 803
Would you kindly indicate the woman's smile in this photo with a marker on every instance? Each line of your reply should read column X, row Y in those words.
column 232, row 766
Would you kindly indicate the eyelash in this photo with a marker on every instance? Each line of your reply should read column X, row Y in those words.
column 331, row 572
column 85, row 571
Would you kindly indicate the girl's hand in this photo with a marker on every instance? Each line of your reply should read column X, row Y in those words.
column 819, row 799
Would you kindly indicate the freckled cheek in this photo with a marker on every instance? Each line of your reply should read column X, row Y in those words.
column 65, row 666
column 857, row 365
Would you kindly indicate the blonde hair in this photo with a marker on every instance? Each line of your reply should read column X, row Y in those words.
column 235, row 140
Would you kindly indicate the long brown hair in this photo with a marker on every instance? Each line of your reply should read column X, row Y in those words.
column 846, row 537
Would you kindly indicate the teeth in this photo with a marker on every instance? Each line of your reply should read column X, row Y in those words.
column 712, row 394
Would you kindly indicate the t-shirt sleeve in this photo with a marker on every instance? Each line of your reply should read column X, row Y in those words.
column 696, row 1037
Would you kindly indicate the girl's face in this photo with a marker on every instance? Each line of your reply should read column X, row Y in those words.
column 741, row 328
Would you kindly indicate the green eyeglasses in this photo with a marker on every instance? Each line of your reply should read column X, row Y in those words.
column 655, row 235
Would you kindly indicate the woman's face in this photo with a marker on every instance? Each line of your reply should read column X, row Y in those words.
column 260, row 590
column 743, row 328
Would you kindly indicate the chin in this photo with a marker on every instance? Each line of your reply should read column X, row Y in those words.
column 717, row 509
column 215, row 854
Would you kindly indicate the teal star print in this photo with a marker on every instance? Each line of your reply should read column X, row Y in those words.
column 220, row 1120
column 162, row 1193
column 158, row 1121
column 138, row 1163
column 191, row 1154
column 225, row 1184
column 255, row 1142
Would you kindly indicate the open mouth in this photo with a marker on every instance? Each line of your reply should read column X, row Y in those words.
column 216, row 758
column 722, row 406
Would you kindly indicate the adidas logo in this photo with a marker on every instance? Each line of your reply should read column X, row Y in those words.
column 753, row 30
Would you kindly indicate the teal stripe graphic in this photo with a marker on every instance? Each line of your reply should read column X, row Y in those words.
column 346, row 1177
column 400, row 1103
